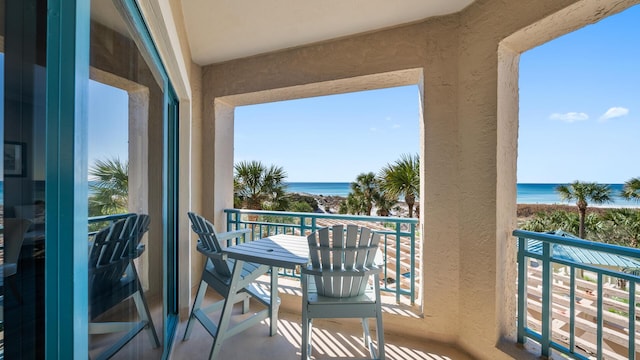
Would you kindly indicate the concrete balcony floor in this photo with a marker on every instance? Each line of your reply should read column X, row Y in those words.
column 332, row 338
column 337, row 339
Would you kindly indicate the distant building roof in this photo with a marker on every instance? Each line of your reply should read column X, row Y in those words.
column 584, row 256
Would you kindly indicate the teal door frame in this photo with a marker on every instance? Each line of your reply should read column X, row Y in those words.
column 66, row 281
column 67, row 74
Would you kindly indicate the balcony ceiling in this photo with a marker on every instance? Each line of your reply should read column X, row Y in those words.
column 221, row 30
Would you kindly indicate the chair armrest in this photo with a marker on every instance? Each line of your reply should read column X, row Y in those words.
column 339, row 272
column 233, row 234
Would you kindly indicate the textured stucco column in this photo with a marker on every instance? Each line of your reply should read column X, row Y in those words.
column 223, row 172
column 439, row 194
column 492, row 36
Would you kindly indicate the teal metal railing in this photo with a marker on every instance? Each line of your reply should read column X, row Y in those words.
column 398, row 249
column 575, row 298
column 99, row 222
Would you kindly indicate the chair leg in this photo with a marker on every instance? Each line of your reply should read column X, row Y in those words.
column 380, row 333
column 245, row 305
column 225, row 317
column 145, row 315
column 307, row 329
column 202, row 289
column 305, row 351
column 366, row 337
column 379, row 328
column 143, row 310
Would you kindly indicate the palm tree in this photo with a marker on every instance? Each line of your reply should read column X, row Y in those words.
column 256, row 185
column 402, row 178
column 625, row 229
column 366, row 187
column 631, row 189
column 582, row 192
column 552, row 221
column 384, row 204
column 109, row 187
column 355, row 204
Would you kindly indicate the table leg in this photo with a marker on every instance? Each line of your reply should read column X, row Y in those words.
column 275, row 303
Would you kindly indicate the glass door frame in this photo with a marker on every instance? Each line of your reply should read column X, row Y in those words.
column 66, row 281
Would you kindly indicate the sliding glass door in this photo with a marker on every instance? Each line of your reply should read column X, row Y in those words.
column 89, row 123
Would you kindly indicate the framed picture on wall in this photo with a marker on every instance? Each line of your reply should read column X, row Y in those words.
column 14, row 159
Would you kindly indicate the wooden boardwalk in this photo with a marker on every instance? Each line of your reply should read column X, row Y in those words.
column 615, row 330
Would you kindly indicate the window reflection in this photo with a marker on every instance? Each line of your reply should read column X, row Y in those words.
column 125, row 163
column 23, row 178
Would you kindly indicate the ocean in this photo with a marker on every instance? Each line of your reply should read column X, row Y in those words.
column 527, row 193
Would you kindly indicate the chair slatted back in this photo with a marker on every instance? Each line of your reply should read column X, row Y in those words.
column 112, row 250
column 208, row 243
column 339, row 255
column 13, row 233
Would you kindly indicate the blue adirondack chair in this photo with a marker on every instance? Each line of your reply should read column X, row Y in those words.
column 342, row 282
column 217, row 274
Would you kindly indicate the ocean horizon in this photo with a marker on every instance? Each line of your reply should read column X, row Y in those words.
column 528, row 193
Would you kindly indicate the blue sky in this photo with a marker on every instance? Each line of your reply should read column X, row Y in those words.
column 108, row 110
column 330, row 138
column 580, row 105
column 579, row 117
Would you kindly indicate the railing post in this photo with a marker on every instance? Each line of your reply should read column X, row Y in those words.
column 228, row 221
column 413, row 263
column 398, row 273
column 314, row 225
column 599, row 320
column 547, row 281
column 632, row 319
column 572, row 309
column 522, row 290
column 303, row 226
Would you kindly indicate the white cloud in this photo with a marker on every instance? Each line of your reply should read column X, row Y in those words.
column 614, row 112
column 373, row 129
column 395, row 126
column 569, row 117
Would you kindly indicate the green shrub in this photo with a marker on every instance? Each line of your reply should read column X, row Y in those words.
column 300, row 206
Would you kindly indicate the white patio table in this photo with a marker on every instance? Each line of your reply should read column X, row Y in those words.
column 277, row 251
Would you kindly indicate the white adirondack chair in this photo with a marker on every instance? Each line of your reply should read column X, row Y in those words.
column 342, row 282
column 217, row 274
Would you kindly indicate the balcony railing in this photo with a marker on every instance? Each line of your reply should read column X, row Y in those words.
column 577, row 297
column 398, row 246
column 99, row 222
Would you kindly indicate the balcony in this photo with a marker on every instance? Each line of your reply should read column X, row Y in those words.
column 573, row 299
column 576, row 297
column 340, row 339
column 398, row 244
